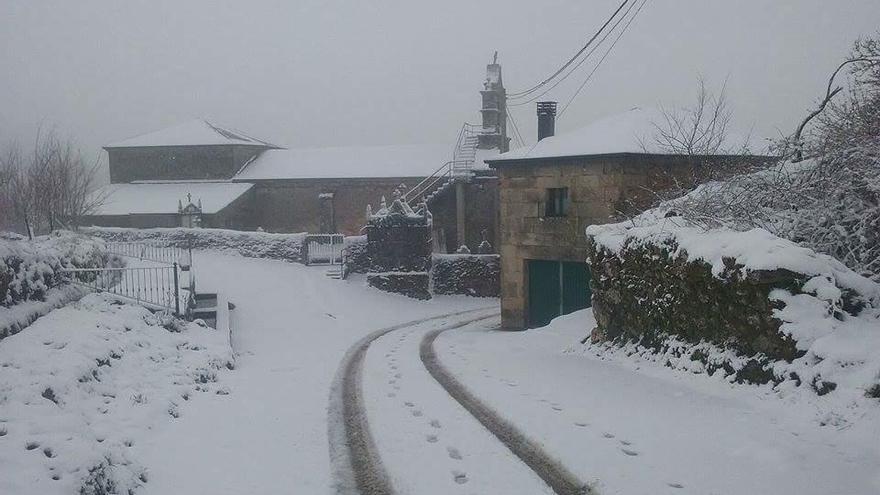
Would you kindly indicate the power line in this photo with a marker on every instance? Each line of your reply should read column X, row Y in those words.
column 515, row 129
column 599, row 64
column 522, row 94
column 584, row 59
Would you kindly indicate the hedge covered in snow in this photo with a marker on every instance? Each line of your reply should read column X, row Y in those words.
column 477, row 275
column 88, row 382
column 749, row 305
column 356, row 258
column 286, row 247
column 31, row 282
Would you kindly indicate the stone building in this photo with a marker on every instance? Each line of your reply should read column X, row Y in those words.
column 550, row 192
column 247, row 183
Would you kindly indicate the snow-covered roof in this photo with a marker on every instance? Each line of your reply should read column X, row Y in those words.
column 413, row 160
column 632, row 131
column 162, row 197
column 193, row 133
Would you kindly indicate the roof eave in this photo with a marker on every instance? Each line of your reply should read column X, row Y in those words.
column 597, row 156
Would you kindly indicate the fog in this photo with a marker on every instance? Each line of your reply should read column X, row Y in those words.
column 326, row 73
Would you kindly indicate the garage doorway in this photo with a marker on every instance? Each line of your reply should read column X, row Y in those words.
column 556, row 288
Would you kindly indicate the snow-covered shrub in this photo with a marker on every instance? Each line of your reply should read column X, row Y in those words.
column 31, row 281
column 749, row 305
column 88, row 382
column 477, row 275
column 357, row 260
column 286, row 247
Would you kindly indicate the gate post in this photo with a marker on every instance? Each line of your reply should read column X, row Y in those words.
column 176, row 292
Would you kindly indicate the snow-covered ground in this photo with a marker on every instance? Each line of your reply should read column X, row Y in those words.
column 82, row 387
column 620, row 423
column 633, row 426
column 292, row 326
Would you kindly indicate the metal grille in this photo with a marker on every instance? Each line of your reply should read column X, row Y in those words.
column 157, row 287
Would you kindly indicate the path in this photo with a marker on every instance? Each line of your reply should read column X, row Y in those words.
column 269, row 435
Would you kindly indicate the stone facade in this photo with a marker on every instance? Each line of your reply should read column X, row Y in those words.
column 178, row 162
column 481, row 213
column 599, row 187
column 297, row 205
column 476, row 275
column 399, row 251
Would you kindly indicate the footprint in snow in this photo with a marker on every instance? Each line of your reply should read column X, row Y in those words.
column 629, row 452
column 624, row 442
column 675, row 485
column 398, row 375
column 608, row 435
column 453, row 453
column 556, row 408
column 582, row 425
column 417, row 413
column 435, row 423
column 392, row 394
column 431, row 438
column 460, row 477
column 408, row 404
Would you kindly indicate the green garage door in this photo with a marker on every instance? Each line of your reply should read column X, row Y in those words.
column 556, row 288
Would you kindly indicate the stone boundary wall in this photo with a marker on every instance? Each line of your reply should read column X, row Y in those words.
column 645, row 291
column 285, row 247
column 477, row 275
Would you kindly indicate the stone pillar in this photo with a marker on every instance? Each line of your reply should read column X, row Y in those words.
column 461, row 238
column 399, row 250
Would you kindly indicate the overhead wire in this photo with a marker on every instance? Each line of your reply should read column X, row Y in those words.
column 582, row 61
column 516, row 132
column 522, row 94
column 599, row 64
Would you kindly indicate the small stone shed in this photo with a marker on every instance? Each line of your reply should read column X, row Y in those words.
column 551, row 191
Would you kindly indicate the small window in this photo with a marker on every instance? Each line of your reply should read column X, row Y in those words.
column 557, row 202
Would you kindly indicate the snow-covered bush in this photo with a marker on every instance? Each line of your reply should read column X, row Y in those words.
column 29, row 268
column 286, row 247
column 88, row 382
column 357, row 260
column 749, row 305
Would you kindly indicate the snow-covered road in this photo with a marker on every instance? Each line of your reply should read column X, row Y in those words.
column 633, row 428
column 269, row 435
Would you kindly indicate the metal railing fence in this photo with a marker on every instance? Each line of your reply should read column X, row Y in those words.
column 150, row 251
column 157, row 287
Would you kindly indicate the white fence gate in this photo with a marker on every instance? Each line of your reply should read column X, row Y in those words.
column 325, row 249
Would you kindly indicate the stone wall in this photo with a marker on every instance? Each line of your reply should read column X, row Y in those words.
column 477, row 275
column 295, row 205
column 481, row 213
column 649, row 290
column 399, row 250
column 599, row 188
column 178, row 162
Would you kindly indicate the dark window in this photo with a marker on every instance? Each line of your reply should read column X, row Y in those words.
column 557, row 202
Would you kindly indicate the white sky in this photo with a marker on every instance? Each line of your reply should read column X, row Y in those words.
column 331, row 72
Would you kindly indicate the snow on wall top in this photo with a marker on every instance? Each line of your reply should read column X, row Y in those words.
column 347, row 162
column 193, row 133
column 755, row 249
column 163, row 197
column 632, row 131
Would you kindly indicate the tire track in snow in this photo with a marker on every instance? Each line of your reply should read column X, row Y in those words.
column 557, row 477
column 355, row 463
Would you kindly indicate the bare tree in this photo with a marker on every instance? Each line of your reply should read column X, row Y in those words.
column 51, row 188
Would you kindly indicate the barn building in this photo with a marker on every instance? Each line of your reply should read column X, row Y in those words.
column 551, row 191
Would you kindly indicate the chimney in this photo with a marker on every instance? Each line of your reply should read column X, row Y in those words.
column 546, row 119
